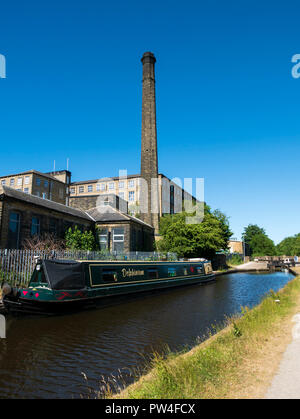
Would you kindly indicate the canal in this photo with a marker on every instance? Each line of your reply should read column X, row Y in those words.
column 45, row 357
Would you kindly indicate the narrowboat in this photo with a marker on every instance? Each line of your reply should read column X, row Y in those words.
column 58, row 286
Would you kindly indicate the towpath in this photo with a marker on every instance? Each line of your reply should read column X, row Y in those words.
column 286, row 382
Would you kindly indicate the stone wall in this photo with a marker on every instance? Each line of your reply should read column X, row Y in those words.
column 48, row 220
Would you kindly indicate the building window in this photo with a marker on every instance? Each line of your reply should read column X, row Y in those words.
column 26, row 190
column 52, row 226
column 26, row 181
column 90, row 188
column 35, row 226
column 121, row 195
column 46, row 183
column 131, row 196
column 3, row 182
column 81, row 189
column 171, row 199
column 111, row 185
column 14, row 230
column 37, row 181
column 12, row 182
column 72, row 190
column 131, row 184
column 98, row 187
column 103, row 239
column 61, row 192
column 103, row 187
column 121, row 184
column 19, row 182
column 44, row 195
column 118, row 240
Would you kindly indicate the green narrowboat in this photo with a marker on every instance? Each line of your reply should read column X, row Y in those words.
column 58, row 286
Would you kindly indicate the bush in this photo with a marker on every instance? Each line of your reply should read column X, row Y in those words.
column 78, row 240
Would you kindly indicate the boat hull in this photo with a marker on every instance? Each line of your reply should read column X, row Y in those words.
column 66, row 301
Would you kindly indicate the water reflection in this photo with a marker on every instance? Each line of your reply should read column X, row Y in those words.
column 44, row 357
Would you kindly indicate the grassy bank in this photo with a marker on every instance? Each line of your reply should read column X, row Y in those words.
column 238, row 362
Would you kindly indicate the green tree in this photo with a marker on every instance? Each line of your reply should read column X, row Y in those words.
column 250, row 231
column 257, row 241
column 290, row 246
column 78, row 240
column 194, row 240
column 262, row 245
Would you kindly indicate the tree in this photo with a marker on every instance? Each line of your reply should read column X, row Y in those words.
column 194, row 240
column 262, row 245
column 257, row 241
column 250, row 231
column 290, row 246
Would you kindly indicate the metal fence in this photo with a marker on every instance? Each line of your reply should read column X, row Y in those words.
column 17, row 266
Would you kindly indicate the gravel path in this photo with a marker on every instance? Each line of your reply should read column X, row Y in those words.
column 286, row 383
column 259, row 266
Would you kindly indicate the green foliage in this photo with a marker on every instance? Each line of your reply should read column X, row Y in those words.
column 78, row 240
column 290, row 246
column 262, row 245
column 235, row 260
column 194, row 240
column 258, row 242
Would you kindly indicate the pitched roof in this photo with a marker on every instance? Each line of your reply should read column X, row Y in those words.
column 46, row 203
column 107, row 213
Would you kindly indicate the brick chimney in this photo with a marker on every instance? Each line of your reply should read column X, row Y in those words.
column 149, row 162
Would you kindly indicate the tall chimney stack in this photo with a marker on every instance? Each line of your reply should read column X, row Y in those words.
column 149, row 164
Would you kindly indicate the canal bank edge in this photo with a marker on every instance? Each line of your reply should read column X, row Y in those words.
column 238, row 362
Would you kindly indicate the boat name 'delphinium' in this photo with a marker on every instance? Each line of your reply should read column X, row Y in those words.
column 131, row 272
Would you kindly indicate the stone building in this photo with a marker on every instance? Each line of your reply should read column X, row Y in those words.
column 23, row 216
column 84, row 194
column 45, row 185
column 120, row 232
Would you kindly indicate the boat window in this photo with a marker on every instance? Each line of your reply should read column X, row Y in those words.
column 185, row 271
column 171, row 272
column 39, row 277
column 109, row 276
column 153, row 273
column 199, row 269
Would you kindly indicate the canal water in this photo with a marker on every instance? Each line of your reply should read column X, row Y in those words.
column 45, row 357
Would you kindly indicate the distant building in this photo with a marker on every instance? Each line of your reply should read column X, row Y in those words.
column 171, row 196
column 236, row 246
column 43, row 185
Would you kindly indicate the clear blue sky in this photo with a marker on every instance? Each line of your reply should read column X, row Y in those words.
column 228, row 108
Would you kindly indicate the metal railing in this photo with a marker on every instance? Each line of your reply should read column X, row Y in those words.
column 17, row 266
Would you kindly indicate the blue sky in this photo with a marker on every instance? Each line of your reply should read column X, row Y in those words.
column 228, row 109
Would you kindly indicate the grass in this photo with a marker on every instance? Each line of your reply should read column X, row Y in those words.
column 237, row 362
column 235, row 260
